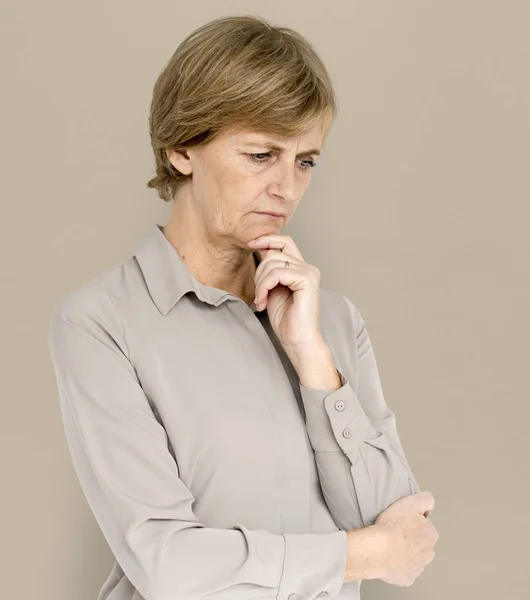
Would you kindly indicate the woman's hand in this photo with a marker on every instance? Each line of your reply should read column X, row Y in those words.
column 290, row 294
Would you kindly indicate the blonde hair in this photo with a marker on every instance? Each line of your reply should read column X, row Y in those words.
column 235, row 71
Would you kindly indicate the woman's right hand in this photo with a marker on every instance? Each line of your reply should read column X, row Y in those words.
column 408, row 538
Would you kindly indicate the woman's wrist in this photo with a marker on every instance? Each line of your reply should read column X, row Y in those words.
column 366, row 551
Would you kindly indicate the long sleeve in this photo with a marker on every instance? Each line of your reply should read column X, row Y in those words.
column 360, row 460
column 131, row 481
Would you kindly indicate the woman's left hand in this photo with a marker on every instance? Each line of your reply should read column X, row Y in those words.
column 290, row 294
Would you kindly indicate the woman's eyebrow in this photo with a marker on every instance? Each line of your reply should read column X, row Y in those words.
column 273, row 146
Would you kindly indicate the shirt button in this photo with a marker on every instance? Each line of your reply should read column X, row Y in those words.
column 347, row 433
column 293, row 597
column 339, row 405
column 320, row 594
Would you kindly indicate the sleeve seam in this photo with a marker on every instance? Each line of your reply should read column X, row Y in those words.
column 120, row 316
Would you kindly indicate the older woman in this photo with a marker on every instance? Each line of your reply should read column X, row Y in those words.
column 224, row 413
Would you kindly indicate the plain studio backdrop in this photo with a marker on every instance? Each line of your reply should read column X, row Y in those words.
column 418, row 211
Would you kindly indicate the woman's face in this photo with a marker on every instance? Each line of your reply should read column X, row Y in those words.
column 230, row 187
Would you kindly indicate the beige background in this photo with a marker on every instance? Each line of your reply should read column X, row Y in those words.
column 420, row 211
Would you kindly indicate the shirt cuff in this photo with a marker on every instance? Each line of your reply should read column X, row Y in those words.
column 314, row 565
column 335, row 419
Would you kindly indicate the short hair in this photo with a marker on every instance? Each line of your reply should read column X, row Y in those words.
column 235, row 71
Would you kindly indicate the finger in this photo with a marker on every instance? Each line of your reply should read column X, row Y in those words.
column 291, row 278
column 279, row 275
column 425, row 501
column 276, row 257
column 283, row 243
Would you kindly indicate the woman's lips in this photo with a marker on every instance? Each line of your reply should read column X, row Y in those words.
column 270, row 215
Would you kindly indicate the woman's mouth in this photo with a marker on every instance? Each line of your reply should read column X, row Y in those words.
column 270, row 215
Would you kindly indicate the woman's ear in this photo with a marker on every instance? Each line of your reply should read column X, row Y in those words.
column 180, row 159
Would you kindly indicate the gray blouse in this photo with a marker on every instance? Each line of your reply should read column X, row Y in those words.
column 211, row 471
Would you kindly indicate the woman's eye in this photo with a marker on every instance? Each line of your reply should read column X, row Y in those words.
column 312, row 164
column 255, row 157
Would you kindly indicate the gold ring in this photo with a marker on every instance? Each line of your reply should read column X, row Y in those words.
column 286, row 264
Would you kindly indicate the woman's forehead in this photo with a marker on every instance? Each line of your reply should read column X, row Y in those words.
column 277, row 142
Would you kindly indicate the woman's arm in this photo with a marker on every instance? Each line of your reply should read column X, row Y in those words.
column 131, row 480
column 360, row 460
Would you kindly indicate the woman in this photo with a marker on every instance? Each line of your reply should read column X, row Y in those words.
column 224, row 414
